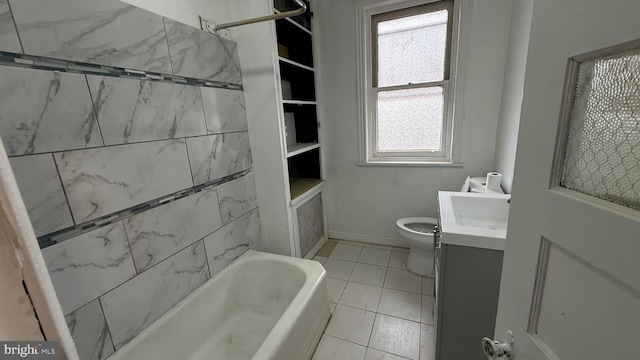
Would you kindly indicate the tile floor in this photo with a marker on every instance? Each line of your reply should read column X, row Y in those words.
column 379, row 309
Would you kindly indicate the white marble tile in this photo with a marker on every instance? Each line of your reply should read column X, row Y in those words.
column 398, row 259
column 339, row 269
column 237, row 197
column 231, row 241
column 400, row 304
column 42, row 192
column 427, row 286
column 196, row 53
column 402, row 279
column 224, row 110
column 106, row 32
column 89, row 332
column 89, row 265
column 105, row 180
column 331, row 348
column 351, row 324
column 361, row 296
column 373, row 354
column 8, row 35
column 345, row 252
column 396, row 336
column 131, row 110
column 160, row 232
column 368, row 274
column 45, row 111
column 426, row 314
column 374, row 256
column 215, row 156
column 134, row 305
column 427, row 342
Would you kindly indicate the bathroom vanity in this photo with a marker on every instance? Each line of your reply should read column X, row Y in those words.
column 468, row 265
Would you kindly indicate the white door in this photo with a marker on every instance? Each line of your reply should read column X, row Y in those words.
column 571, row 277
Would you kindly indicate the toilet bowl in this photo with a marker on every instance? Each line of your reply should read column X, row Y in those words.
column 418, row 232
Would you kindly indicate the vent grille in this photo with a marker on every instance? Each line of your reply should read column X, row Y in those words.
column 310, row 224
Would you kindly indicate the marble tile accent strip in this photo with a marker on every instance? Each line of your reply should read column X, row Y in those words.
column 8, row 35
column 107, row 32
column 158, row 233
column 42, row 193
column 89, row 332
column 88, row 266
column 199, row 54
column 134, row 305
column 224, row 110
column 105, row 180
column 215, row 156
column 237, row 197
column 231, row 241
column 131, row 110
column 45, row 111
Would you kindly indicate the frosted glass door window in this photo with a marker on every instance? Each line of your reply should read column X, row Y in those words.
column 410, row 120
column 602, row 156
column 412, row 49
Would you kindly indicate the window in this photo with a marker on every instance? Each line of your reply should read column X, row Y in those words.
column 405, row 83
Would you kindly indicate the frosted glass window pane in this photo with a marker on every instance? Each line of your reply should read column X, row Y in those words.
column 412, row 49
column 602, row 157
column 410, row 120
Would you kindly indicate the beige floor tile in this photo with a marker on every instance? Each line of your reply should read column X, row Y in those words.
column 326, row 249
column 402, row 279
column 354, row 243
column 335, row 287
column 361, row 296
column 368, row 274
column 331, row 348
column 398, row 259
column 399, row 248
column 345, row 252
column 374, row 256
column 400, row 304
column 376, row 246
column 373, row 354
column 351, row 324
column 426, row 314
column 332, row 307
column 427, row 342
column 396, row 336
column 335, row 241
column 339, row 269
column 427, row 286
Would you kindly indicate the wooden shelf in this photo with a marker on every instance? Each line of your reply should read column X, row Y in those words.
column 297, row 149
column 299, row 186
column 297, row 64
column 298, row 102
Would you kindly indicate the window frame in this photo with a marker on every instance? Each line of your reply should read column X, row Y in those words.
column 366, row 14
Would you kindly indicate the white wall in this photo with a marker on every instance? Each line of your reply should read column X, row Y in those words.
column 187, row 11
column 512, row 88
column 365, row 201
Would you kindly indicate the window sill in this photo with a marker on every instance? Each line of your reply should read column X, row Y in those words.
column 411, row 163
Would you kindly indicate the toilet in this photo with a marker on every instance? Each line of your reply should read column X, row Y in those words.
column 418, row 232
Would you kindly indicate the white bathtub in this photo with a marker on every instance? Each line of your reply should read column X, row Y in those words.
column 263, row 306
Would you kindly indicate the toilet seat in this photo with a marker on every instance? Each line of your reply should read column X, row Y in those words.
column 404, row 224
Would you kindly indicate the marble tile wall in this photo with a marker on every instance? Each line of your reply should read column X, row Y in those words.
column 157, row 172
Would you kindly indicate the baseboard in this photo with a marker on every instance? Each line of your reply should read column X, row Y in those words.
column 380, row 240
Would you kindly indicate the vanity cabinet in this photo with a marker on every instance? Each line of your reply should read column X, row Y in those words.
column 467, row 290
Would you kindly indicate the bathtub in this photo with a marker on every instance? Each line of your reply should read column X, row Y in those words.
column 262, row 306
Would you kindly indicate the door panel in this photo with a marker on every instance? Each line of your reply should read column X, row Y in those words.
column 586, row 301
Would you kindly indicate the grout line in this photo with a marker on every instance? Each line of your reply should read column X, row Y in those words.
column 106, row 324
column 15, row 26
column 64, row 190
column 95, row 111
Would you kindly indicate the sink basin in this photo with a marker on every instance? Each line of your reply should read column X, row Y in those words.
column 474, row 219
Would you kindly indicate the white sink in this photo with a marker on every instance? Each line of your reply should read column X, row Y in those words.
column 474, row 219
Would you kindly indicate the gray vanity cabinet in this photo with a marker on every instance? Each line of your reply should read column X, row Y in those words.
column 467, row 288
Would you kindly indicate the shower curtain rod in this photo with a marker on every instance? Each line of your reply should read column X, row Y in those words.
column 213, row 28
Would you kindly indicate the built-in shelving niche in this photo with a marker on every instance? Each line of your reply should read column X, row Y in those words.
column 303, row 20
column 294, row 42
column 304, row 172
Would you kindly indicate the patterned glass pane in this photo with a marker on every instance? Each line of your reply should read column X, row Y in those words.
column 410, row 119
column 412, row 49
column 602, row 158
